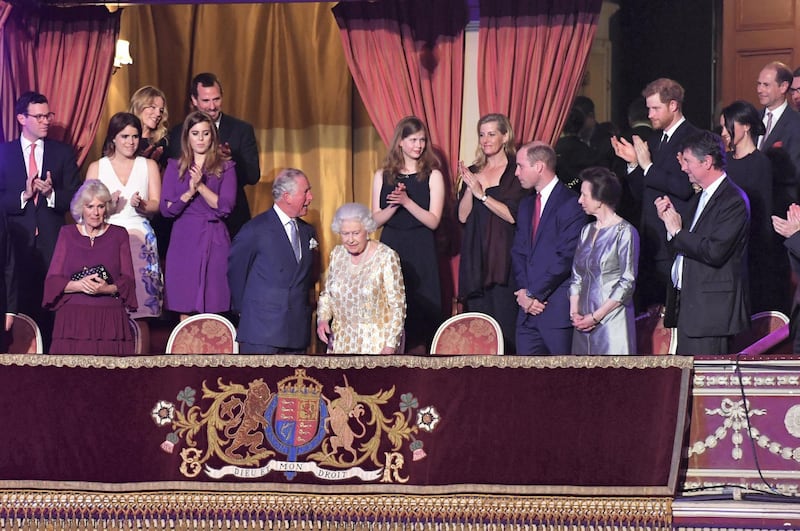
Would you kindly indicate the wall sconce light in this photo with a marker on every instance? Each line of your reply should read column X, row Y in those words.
column 122, row 56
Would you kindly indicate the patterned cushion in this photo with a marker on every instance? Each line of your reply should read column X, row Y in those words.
column 470, row 335
column 204, row 336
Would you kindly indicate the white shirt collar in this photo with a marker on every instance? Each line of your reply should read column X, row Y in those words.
column 546, row 191
column 671, row 129
column 776, row 114
column 713, row 186
column 285, row 218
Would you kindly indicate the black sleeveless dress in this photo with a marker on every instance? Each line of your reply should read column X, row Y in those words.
column 415, row 244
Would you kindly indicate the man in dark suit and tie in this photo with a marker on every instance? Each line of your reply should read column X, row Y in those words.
column 781, row 143
column 237, row 140
column 653, row 170
column 709, row 298
column 548, row 228
column 789, row 228
column 38, row 178
column 272, row 269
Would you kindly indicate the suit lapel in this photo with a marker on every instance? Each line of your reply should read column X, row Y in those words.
column 223, row 132
column 709, row 205
column 548, row 212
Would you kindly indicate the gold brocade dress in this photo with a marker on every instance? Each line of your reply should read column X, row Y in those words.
column 366, row 302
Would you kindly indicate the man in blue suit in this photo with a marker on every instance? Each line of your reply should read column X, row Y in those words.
column 548, row 228
column 272, row 269
column 38, row 178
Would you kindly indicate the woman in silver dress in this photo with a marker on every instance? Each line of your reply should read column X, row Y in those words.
column 603, row 271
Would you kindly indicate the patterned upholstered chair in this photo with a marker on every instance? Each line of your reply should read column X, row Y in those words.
column 767, row 330
column 651, row 336
column 205, row 333
column 468, row 333
column 24, row 336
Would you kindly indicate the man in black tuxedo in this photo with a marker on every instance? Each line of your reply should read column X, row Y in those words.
column 709, row 296
column 38, row 178
column 237, row 140
column 653, row 170
column 781, row 143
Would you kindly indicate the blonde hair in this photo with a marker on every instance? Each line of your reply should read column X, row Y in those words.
column 142, row 99
column 504, row 126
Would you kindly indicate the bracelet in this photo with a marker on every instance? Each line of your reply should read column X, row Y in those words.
column 594, row 319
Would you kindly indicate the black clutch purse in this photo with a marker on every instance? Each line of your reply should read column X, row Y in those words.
column 100, row 270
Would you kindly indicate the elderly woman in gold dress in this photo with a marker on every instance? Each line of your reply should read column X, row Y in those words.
column 364, row 293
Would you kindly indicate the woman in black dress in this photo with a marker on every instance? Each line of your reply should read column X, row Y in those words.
column 751, row 170
column 487, row 208
column 407, row 201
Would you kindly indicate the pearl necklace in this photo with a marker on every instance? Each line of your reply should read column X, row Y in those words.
column 93, row 236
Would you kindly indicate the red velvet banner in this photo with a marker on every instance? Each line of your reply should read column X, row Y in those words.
column 567, row 425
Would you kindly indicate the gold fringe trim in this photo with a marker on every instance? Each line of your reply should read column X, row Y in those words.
column 68, row 511
column 349, row 362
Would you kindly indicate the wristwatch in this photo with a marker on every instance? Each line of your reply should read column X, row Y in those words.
column 483, row 198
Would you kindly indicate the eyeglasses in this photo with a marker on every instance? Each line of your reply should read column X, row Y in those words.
column 42, row 117
column 794, row 89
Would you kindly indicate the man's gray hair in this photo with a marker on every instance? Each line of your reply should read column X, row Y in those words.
column 353, row 212
column 286, row 182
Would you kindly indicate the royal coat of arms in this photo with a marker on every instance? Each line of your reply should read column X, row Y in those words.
column 251, row 431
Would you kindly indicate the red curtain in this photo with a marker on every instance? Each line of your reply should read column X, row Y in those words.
column 67, row 55
column 531, row 58
column 407, row 57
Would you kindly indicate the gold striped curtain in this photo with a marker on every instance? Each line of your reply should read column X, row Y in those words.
column 283, row 70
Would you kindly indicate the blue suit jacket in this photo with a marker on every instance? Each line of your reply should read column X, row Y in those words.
column 543, row 266
column 268, row 287
column 59, row 160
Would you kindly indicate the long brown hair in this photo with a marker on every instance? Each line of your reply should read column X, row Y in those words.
column 393, row 163
column 213, row 162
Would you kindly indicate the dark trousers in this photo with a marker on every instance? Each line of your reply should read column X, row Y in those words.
column 538, row 341
column 702, row 346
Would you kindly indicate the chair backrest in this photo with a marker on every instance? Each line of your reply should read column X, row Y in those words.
column 771, row 324
column 137, row 335
column 204, row 333
column 24, row 336
column 468, row 333
column 651, row 336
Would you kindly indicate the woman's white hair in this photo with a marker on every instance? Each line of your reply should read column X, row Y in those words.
column 90, row 189
column 353, row 212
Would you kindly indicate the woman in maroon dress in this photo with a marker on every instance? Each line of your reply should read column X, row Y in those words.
column 90, row 282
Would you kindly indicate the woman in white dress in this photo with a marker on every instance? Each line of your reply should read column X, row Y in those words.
column 135, row 186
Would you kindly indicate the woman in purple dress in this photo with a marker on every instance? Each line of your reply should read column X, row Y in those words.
column 199, row 191
column 90, row 282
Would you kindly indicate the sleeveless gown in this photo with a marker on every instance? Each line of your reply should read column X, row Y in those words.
column 415, row 245
column 144, row 251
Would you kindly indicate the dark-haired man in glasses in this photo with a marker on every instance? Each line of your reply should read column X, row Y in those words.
column 38, row 177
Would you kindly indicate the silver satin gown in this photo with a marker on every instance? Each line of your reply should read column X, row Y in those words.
column 605, row 267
